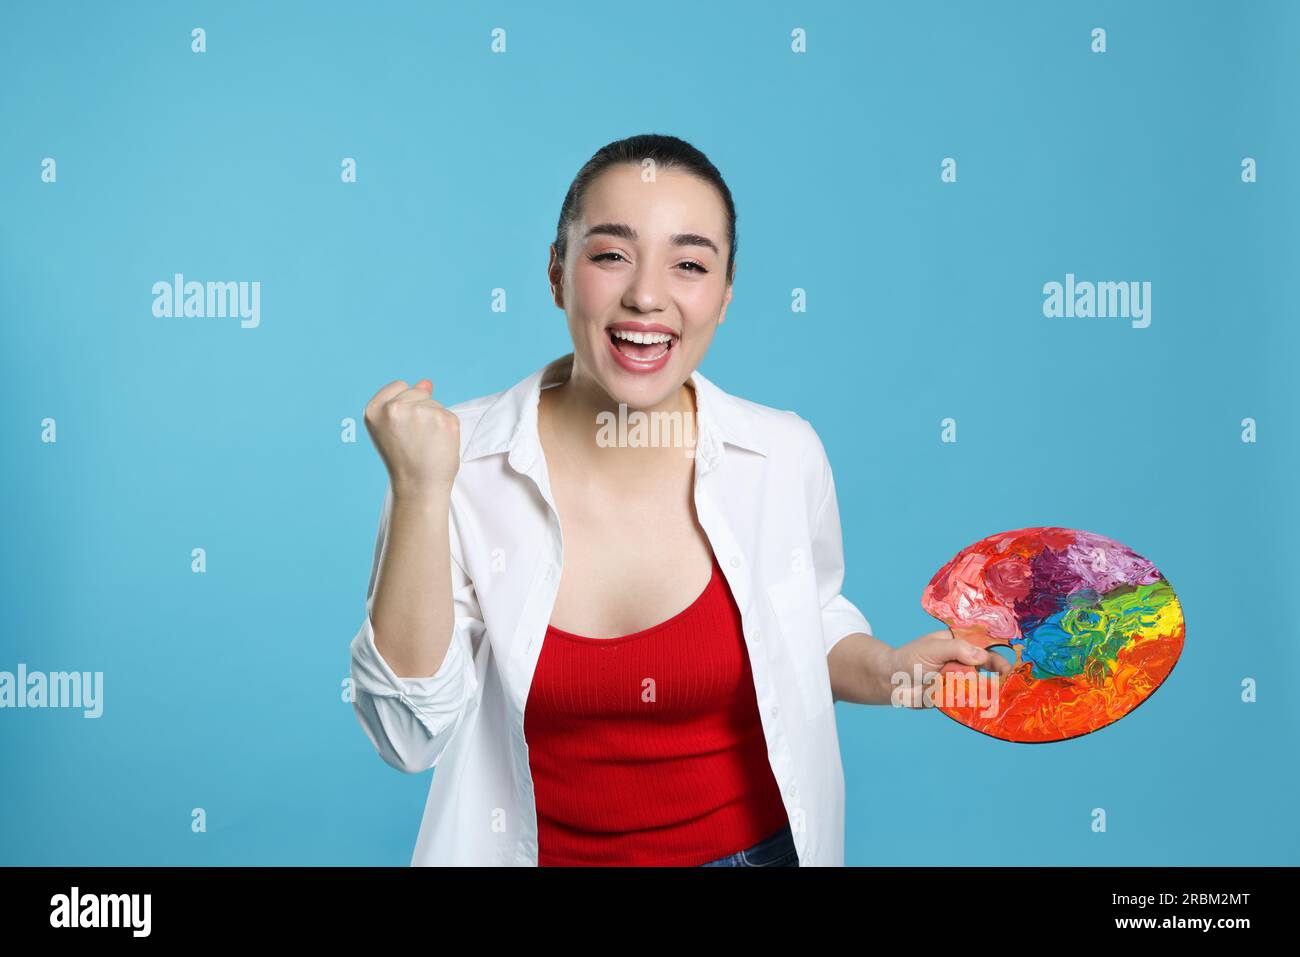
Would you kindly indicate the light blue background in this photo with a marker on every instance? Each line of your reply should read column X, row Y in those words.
column 223, row 690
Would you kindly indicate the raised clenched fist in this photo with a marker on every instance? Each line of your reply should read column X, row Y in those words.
column 418, row 439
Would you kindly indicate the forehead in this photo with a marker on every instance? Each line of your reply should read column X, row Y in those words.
column 675, row 202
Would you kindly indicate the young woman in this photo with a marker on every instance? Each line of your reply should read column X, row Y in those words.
column 605, row 602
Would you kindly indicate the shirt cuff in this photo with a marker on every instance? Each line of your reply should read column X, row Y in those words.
column 436, row 700
column 841, row 618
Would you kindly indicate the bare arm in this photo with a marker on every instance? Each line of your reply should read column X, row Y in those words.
column 413, row 613
column 412, row 706
column 861, row 667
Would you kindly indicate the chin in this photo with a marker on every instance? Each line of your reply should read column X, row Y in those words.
column 642, row 395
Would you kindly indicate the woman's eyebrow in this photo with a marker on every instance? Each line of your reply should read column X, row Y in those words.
column 624, row 231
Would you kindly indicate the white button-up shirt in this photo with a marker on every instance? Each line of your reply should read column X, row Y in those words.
column 764, row 497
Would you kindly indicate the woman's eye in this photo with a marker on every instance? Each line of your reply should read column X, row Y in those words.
column 611, row 256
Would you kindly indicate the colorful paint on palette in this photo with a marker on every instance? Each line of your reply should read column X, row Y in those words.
column 1096, row 628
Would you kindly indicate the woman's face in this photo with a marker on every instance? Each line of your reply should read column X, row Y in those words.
column 646, row 260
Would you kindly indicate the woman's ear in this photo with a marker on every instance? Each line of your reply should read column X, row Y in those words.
column 555, row 275
column 726, row 300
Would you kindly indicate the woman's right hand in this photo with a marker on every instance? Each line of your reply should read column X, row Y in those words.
column 418, row 439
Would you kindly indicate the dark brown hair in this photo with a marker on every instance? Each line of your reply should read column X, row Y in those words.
column 668, row 153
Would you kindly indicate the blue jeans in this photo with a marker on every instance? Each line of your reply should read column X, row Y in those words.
column 776, row 850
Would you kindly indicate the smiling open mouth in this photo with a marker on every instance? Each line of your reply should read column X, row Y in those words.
column 642, row 346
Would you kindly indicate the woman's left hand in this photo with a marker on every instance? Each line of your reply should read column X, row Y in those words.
column 934, row 653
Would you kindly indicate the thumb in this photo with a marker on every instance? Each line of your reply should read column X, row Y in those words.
column 965, row 653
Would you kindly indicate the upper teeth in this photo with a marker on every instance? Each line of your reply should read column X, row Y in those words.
column 642, row 337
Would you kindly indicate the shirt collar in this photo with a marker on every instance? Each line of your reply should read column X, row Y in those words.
column 510, row 423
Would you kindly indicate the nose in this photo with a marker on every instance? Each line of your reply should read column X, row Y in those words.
column 645, row 292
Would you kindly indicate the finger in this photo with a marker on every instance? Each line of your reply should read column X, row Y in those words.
column 394, row 388
column 978, row 636
column 419, row 393
column 966, row 653
column 918, row 699
column 908, row 693
column 957, row 668
column 999, row 664
column 911, row 696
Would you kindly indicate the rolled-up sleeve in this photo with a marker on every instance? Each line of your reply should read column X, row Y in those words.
column 410, row 721
column 840, row 617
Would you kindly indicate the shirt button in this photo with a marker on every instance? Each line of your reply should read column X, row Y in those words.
column 735, row 561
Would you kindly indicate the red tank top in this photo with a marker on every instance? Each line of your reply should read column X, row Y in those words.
column 647, row 749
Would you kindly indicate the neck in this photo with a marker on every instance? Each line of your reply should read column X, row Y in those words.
column 571, row 415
